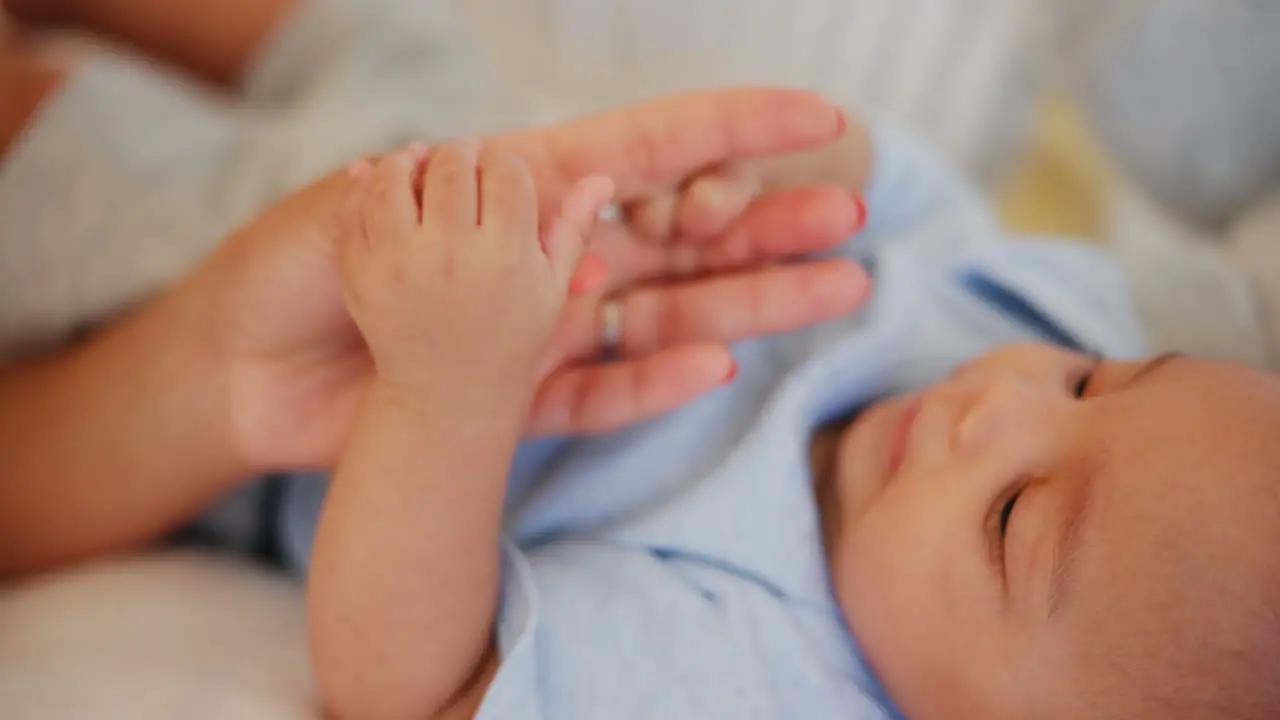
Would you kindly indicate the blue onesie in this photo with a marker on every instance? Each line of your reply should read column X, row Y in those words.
column 675, row 569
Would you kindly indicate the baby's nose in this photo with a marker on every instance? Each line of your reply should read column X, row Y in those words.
column 1002, row 409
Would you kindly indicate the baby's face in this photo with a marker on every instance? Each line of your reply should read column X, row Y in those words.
column 1000, row 537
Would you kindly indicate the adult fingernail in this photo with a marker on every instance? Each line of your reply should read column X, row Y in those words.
column 861, row 206
column 591, row 276
column 733, row 372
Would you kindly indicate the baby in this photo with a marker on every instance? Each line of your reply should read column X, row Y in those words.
column 972, row 499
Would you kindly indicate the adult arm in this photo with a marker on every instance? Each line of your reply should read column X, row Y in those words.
column 26, row 79
column 214, row 41
column 109, row 444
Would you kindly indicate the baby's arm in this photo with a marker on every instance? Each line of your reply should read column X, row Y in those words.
column 457, row 302
column 405, row 575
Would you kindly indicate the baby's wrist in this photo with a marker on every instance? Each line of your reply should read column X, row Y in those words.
column 464, row 402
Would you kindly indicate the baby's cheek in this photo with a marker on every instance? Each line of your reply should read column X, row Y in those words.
column 888, row 594
column 883, row 565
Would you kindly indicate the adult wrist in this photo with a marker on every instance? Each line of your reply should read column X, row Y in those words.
column 190, row 377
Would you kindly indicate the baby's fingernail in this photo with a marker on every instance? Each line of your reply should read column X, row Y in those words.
column 733, row 372
column 842, row 122
column 417, row 147
column 861, row 206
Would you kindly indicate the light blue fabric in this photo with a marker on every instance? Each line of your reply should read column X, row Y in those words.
column 674, row 570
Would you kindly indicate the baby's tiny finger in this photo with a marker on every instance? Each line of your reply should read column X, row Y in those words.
column 714, row 201
column 591, row 276
column 451, row 186
column 352, row 232
column 578, row 215
column 509, row 200
column 390, row 208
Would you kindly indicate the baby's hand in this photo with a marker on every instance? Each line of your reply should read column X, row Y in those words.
column 446, row 273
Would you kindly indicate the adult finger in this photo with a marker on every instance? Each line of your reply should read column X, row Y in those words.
column 722, row 308
column 712, row 202
column 600, row 397
column 661, row 142
column 703, row 208
column 780, row 225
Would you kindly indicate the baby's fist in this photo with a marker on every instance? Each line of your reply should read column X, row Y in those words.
column 446, row 271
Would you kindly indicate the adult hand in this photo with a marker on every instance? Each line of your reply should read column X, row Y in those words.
column 695, row 265
column 296, row 366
